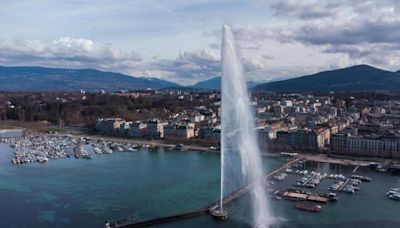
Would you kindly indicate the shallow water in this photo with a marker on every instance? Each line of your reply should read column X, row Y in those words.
column 10, row 133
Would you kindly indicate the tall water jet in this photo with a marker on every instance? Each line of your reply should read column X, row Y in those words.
column 240, row 154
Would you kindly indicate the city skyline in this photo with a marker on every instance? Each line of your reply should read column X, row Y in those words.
column 179, row 41
column 208, row 113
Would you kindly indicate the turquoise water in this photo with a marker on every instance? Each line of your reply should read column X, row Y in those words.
column 369, row 207
column 10, row 133
column 70, row 192
column 146, row 184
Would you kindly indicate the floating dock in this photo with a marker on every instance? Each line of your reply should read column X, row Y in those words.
column 309, row 180
column 343, row 185
column 295, row 196
column 356, row 168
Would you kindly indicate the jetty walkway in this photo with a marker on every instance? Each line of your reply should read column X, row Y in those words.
column 343, row 185
column 233, row 196
column 214, row 206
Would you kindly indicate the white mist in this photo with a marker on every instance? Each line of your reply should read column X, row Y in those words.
column 240, row 154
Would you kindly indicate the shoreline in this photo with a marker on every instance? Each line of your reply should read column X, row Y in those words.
column 320, row 157
column 326, row 158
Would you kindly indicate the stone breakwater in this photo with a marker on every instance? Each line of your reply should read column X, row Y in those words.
column 46, row 147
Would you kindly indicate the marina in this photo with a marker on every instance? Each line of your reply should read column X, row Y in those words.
column 43, row 148
column 55, row 194
column 307, row 200
column 200, row 114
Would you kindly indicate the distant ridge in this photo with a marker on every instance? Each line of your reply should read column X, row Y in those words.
column 355, row 78
column 57, row 79
column 215, row 84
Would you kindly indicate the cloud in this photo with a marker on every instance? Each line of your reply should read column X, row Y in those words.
column 306, row 9
column 267, row 57
column 65, row 52
column 360, row 31
column 187, row 68
column 289, row 38
column 193, row 66
column 351, row 32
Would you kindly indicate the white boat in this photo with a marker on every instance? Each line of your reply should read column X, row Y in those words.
column 334, row 187
column 107, row 150
column 391, row 192
column 97, row 150
column 349, row 189
column 42, row 159
column 395, row 196
column 288, row 171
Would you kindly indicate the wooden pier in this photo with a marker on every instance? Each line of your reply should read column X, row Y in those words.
column 356, row 168
column 343, row 185
column 214, row 206
column 298, row 196
column 233, row 196
column 308, row 181
column 162, row 220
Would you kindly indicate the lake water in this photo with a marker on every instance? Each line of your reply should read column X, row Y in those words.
column 158, row 182
column 10, row 133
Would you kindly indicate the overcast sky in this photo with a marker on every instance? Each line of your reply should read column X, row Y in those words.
column 179, row 40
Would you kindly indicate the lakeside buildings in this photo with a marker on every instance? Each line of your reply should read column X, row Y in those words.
column 369, row 145
column 285, row 122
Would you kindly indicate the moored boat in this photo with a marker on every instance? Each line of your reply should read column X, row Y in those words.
column 394, row 196
column 309, row 207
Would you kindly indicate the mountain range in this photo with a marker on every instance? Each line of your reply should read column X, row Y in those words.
column 54, row 79
column 215, row 84
column 355, row 78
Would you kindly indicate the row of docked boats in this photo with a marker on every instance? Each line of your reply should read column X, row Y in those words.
column 310, row 181
column 347, row 186
column 351, row 189
column 280, row 177
column 42, row 148
column 394, row 194
column 336, row 185
column 103, row 147
column 337, row 176
column 81, row 152
column 361, row 178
